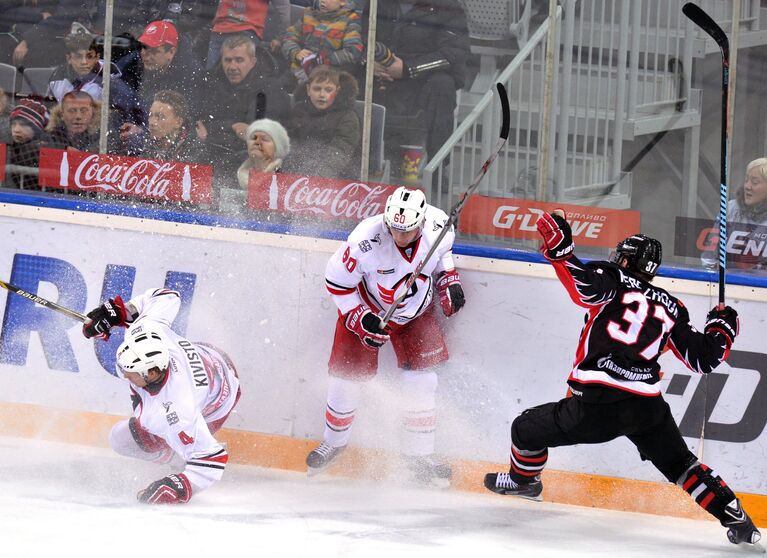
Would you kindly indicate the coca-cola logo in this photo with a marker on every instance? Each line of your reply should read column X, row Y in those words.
column 353, row 201
column 143, row 177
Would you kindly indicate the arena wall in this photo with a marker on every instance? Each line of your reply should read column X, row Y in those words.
column 261, row 298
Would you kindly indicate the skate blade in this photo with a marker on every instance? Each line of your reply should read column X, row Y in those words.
column 314, row 471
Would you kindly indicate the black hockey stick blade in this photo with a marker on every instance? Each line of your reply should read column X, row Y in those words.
column 43, row 302
column 704, row 21
column 505, row 110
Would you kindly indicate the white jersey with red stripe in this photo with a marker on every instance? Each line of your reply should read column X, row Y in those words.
column 199, row 388
column 370, row 268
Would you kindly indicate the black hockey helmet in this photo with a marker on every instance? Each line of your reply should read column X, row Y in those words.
column 643, row 254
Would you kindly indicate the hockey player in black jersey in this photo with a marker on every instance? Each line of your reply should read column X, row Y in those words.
column 615, row 377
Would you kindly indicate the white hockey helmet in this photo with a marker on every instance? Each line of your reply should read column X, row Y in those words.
column 405, row 209
column 144, row 348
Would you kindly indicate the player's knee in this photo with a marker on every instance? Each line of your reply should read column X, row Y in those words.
column 520, row 436
column 121, row 440
column 676, row 471
column 423, row 382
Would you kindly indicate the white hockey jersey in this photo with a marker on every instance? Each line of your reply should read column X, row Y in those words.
column 369, row 267
column 200, row 387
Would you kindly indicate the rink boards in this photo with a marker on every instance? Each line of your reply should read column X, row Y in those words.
column 261, row 298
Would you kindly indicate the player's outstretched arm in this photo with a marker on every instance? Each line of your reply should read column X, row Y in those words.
column 702, row 352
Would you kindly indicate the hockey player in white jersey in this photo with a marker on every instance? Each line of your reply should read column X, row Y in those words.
column 364, row 277
column 182, row 393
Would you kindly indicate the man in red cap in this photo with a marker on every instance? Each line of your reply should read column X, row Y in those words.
column 162, row 65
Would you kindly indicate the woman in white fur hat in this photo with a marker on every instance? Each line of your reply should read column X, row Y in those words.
column 268, row 144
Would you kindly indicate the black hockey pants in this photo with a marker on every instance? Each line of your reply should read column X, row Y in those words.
column 646, row 421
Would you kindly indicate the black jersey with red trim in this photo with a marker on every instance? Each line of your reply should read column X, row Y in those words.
column 628, row 324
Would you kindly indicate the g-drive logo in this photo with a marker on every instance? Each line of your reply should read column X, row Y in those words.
column 507, row 216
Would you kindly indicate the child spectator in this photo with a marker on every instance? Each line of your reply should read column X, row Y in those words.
column 74, row 123
column 327, row 34
column 324, row 127
column 28, row 121
column 83, row 71
column 268, row 144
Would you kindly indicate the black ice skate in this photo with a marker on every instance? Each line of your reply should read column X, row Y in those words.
column 425, row 470
column 740, row 528
column 321, row 457
column 502, row 483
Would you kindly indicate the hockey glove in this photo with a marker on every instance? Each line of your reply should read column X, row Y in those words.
column 450, row 292
column 557, row 236
column 367, row 326
column 102, row 319
column 173, row 489
column 724, row 321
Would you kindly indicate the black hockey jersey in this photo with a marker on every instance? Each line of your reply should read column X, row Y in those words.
column 629, row 323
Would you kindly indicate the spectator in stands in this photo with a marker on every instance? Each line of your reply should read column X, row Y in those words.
column 28, row 122
column 246, row 18
column 5, row 118
column 169, row 135
column 429, row 44
column 243, row 89
column 83, row 71
column 41, row 43
column 160, row 65
column 74, row 123
column 746, row 215
column 327, row 34
column 268, row 144
column 324, row 128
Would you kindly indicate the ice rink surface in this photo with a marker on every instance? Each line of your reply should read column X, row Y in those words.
column 69, row 500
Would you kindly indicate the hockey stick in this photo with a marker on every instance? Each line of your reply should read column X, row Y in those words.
column 455, row 211
column 44, row 302
column 704, row 21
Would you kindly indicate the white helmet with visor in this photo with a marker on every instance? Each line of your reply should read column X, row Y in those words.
column 405, row 210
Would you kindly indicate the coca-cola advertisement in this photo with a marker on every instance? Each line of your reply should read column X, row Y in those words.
column 322, row 199
column 512, row 218
column 2, row 162
column 126, row 176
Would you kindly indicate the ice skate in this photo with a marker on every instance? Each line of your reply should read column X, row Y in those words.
column 426, row 471
column 321, row 457
column 740, row 528
column 502, row 483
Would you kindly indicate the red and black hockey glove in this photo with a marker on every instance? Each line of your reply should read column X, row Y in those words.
column 451, row 295
column 367, row 326
column 725, row 321
column 556, row 234
column 102, row 319
column 173, row 489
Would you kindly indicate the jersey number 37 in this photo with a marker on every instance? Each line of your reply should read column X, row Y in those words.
column 637, row 312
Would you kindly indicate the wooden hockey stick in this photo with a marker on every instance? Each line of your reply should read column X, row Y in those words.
column 44, row 302
column 455, row 211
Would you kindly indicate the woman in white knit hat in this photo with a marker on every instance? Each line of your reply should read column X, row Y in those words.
column 268, row 144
